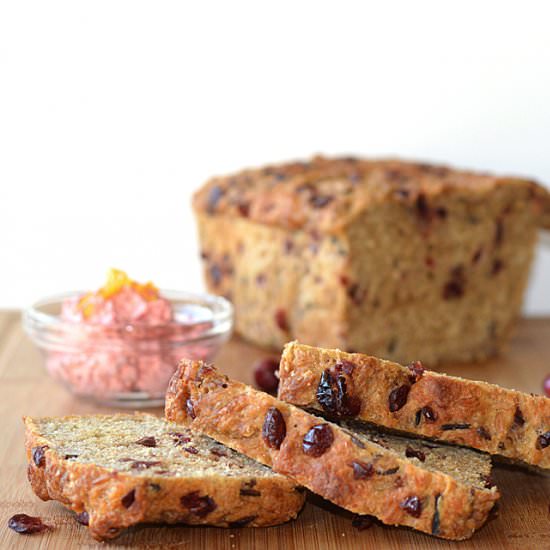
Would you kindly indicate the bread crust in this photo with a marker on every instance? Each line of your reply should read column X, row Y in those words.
column 492, row 419
column 327, row 194
column 99, row 491
column 234, row 414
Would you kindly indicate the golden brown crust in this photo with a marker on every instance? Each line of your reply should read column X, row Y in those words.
column 326, row 194
column 234, row 414
column 116, row 500
column 487, row 417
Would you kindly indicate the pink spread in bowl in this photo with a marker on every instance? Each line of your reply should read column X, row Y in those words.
column 121, row 344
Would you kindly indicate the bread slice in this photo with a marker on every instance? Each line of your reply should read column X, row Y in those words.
column 119, row 470
column 442, row 491
column 415, row 401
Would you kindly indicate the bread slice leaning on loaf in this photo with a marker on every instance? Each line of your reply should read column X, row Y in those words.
column 416, row 401
column 115, row 471
column 362, row 472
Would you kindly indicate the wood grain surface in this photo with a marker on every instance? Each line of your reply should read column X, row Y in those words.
column 25, row 388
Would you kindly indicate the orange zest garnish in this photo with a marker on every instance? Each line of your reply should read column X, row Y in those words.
column 148, row 291
column 116, row 281
column 86, row 305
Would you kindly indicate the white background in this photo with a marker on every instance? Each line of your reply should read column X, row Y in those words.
column 111, row 113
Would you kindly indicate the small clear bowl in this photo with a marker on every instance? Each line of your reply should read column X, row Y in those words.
column 127, row 365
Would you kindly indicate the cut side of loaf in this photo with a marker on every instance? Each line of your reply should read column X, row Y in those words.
column 441, row 490
column 119, row 470
column 415, row 401
column 351, row 253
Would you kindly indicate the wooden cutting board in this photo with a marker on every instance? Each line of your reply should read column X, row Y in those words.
column 25, row 388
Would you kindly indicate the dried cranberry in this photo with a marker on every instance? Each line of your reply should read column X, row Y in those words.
column 148, row 441
column 218, row 452
column 128, row 499
column 429, row 414
column 356, row 294
column 179, row 438
column 320, row 201
column 333, row 396
column 441, row 212
column 244, row 208
column 483, row 433
column 543, row 441
column 402, row 193
column 398, row 397
column 318, row 440
column 144, row 464
column 214, row 197
column 343, row 366
column 26, row 525
column 265, row 374
column 546, row 386
column 417, row 370
column 389, row 472
column 243, row 522
column 453, row 290
column 412, row 505
column 326, row 391
column 200, row 506
column 83, row 518
column 190, row 407
column 215, row 274
column 362, row 470
column 39, row 455
column 497, row 267
column 191, row 450
column 488, row 482
column 422, row 207
column 247, row 489
column 518, row 417
column 274, row 428
column 415, row 453
column 362, row 522
column 281, row 320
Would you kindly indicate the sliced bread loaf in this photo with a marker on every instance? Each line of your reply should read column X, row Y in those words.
column 441, row 490
column 410, row 399
column 116, row 471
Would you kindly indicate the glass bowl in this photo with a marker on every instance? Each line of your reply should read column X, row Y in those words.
column 127, row 365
